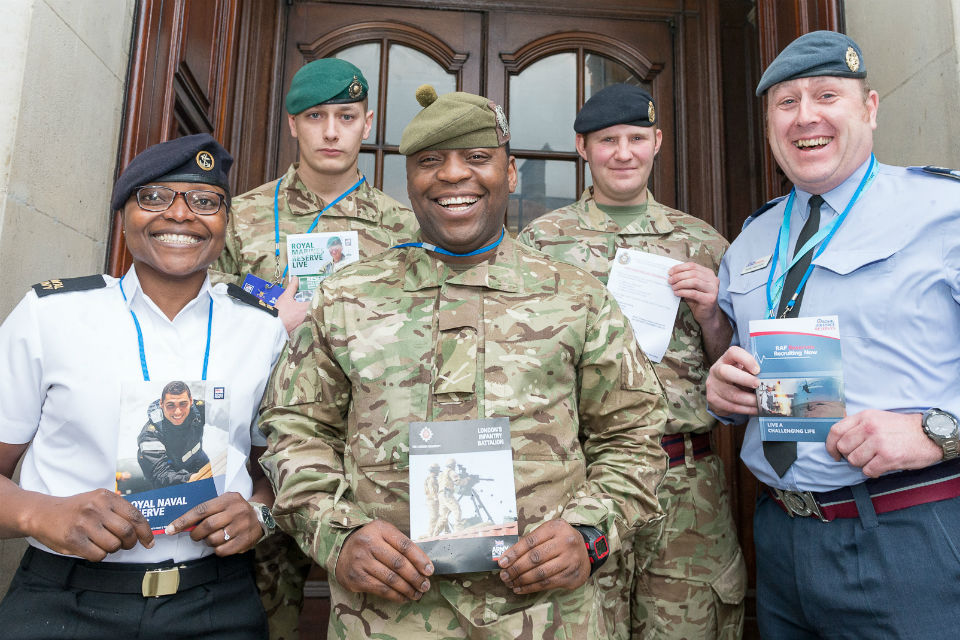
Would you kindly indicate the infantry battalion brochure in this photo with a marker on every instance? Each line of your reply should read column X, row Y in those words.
column 463, row 504
column 638, row 282
column 172, row 446
column 801, row 377
column 314, row 256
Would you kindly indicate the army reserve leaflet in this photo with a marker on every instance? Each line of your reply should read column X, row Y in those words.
column 463, row 504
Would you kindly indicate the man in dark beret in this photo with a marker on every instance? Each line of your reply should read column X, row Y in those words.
column 466, row 325
column 328, row 115
column 694, row 584
column 856, row 533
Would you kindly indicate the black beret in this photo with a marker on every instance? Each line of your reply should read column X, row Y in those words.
column 198, row 158
column 616, row 104
column 818, row 53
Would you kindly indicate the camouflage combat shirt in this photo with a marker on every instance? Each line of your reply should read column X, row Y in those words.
column 583, row 235
column 401, row 337
column 380, row 222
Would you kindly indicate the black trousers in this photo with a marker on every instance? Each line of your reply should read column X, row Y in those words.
column 43, row 605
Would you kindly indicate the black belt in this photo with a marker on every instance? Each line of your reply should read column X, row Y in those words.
column 148, row 580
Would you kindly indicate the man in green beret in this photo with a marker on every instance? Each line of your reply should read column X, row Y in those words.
column 465, row 325
column 694, row 584
column 324, row 192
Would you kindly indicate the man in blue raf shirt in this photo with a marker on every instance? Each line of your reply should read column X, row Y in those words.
column 856, row 537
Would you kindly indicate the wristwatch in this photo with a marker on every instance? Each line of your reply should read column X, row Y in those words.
column 941, row 427
column 265, row 516
column 596, row 542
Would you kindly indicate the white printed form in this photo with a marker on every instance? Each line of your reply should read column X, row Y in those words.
column 638, row 282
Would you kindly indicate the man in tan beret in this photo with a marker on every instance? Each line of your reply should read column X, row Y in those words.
column 467, row 326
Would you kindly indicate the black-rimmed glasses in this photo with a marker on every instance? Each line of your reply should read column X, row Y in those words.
column 155, row 199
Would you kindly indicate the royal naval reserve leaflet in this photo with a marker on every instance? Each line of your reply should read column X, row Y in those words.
column 463, row 504
column 172, row 446
column 801, row 377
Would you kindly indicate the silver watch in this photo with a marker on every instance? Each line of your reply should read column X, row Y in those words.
column 265, row 516
column 941, row 427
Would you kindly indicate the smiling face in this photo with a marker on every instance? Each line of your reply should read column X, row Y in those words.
column 176, row 408
column 175, row 243
column 460, row 196
column 330, row 136
column 820, row 129
column 621, row 159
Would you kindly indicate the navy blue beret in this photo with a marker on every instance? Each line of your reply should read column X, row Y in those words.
column 818, row 53
column 616, row 104
column 198, row 158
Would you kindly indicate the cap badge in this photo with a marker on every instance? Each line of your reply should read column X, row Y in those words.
column 651, row 112
column 355, row 88
column 205, row 160
column 501, row 120
column 853, row 60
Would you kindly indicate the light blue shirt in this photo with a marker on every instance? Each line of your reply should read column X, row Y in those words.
column 892, row 275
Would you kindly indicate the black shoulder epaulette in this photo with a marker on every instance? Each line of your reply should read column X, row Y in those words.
column 63, row 285
column 240, row 295
column 942, row 172
column 759, row 212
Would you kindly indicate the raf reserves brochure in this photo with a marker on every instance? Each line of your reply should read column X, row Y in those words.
column 801, row 377
column 463, row 504
column 172, row 446
column 314, row 256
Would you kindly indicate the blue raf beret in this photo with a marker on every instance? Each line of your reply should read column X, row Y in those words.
column 616, row 104
column 325, row 81
column 819, row 53
column 197, row 159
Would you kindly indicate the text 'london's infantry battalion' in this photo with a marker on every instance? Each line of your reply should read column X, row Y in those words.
column 468, row 433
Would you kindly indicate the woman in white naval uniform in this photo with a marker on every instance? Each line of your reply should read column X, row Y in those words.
column 82, row 361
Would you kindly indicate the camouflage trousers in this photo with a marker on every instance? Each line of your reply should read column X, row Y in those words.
column 690, row 581
column 476, row 606
column 281, row 571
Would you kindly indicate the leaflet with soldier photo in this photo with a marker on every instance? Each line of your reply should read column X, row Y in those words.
column 801, row 377
column 172, row 447
column 463, row 504
column 314, row 256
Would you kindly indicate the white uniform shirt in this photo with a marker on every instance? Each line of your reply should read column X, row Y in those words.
column 64, row 357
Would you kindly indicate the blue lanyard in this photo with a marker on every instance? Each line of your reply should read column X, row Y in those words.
column 143, row 355
column 433, row 247
column 276, row 222
column 775, row 287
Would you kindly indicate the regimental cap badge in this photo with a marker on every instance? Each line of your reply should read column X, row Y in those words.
column 355, row 88
column 426, row 434
column 651, row 112
column 205, row 160
column 501, row 120
column 853, row 60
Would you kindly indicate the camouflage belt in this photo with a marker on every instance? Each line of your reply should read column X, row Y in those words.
column 675, row 446
column 891, row 492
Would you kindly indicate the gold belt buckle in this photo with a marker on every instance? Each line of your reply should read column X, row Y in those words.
column 800, row 503
column 161, row 582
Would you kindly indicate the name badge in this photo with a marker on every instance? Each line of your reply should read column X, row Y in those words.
column 756, row 265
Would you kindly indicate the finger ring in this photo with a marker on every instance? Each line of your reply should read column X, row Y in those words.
column 226, row 536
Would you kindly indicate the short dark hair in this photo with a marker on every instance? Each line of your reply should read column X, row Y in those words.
column 175, row 388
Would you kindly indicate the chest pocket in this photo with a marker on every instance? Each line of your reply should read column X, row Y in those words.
column 455, row 366
column 860, row 287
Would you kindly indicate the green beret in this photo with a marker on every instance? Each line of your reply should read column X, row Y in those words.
column 325, row 81
column 616, row 104
column 454, row 121
column 818, row 53
column 334, row 241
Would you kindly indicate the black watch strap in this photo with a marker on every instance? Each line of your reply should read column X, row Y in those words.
column 596, row 543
